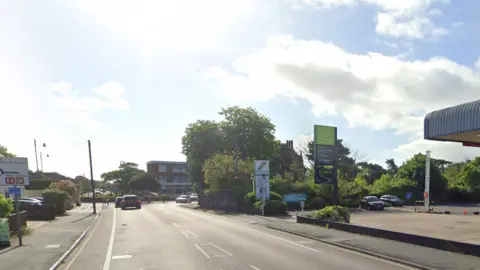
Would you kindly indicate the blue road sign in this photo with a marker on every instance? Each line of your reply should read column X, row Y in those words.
column 14, row 191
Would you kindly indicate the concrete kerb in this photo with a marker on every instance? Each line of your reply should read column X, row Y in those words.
column 75, row 244
column 362, row 251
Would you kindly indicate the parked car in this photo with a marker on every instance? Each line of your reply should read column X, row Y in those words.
column 392, row 199
column 194, row 197
column 183, row 199
column 131, row 201
column 372, row 203
column 118, row 201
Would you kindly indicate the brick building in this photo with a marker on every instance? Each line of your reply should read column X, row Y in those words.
column 172, row 176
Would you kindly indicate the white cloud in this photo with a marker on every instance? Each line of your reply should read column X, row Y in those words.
column 371, row 90
column 405, row 18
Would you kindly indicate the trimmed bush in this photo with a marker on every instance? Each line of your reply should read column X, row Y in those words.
column 273, row 207
column 55, row 197
column 274, row 196
column 6, row 206
column 332, row 213
column 250, row 198
column 315, row 203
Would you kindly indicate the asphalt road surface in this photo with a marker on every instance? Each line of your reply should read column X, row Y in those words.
column 165, row 236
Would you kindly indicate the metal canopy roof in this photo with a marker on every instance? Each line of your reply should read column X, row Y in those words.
column 458, row 123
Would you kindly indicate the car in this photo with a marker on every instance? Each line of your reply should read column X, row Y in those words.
column 118, row 201
column 372, row 203
column 392, row 199
column 130, row 201
column 183, row 199
column 194, row 197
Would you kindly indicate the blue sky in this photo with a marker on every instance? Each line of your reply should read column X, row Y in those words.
column 131, row 76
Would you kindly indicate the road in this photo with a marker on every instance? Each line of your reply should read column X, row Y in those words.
column 166, row 236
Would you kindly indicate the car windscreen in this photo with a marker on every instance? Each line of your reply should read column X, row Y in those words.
column 130, row 198
column 372, row 199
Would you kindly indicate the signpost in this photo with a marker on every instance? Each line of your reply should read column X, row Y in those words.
column 302, row 205
column 262, row 181
column 325, row 157
column 14, row 172
column 426, row 194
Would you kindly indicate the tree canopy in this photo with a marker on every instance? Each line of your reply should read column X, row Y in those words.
column 122, row 176
column 4, row 152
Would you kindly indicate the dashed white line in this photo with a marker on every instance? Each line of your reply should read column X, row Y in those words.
column 184, row 233
column 127, row 256
column 108, row 257
column 255, row 268
column 192, row 233
column 175, row 224
column 201, row 250
column 212, row 244
column 288, row 241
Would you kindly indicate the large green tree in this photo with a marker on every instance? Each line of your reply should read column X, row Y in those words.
column 220, row 172
column 126, row 171
column 414, row 169
column 392, row 168
column 144, row 181
column 4, row 152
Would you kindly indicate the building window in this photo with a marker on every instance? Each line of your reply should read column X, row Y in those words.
column 162, row 178
column 162, row 168
column 181, row 168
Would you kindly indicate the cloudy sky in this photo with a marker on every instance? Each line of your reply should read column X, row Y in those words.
column 130, row 75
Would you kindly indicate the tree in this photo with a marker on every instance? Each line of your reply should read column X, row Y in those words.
column 122, row 176
column 392, row 168
column 371, row 171
column 83, row 183
column 144, row 181
column 441, row 163
column 414, row 169
column 220, row 173
column 4, row 152
column 252, row 132
column 67, row 186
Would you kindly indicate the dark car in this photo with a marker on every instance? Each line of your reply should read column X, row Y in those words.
column 130, row 201
column 392, row 199
column 372, row 203
column 118, row 201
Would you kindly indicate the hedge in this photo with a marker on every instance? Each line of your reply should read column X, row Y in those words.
column 55, row 197
column 250, row 198
column 273, row 207
column 332, row 213
column 6, row 206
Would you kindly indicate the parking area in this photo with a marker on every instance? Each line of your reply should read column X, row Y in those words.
column 451, row 227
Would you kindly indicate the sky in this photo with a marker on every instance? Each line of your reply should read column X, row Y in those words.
column 131, row 75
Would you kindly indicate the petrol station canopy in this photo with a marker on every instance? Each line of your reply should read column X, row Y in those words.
column 459, row 123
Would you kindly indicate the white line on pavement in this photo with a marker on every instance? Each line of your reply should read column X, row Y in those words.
column 108, row 257
column 212, row 244
column 127, row 256
column 175, row 224
column 85, row 243
column 201, row 250
column 184, row 233
column 255, row 268
column 192, row 233
column 293, row 243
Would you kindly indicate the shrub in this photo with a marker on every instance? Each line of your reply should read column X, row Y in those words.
column 273, row 207
column 6, row 206
column 332, row 213
column 250, row 198
column 315, row 203
column 55, row 197
column 274, row 196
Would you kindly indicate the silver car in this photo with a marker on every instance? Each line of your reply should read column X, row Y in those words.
column 183, row 199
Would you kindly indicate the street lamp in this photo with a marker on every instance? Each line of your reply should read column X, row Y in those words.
column 41, row 155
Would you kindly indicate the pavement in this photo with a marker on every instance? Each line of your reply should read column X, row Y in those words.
column 47, row 241
column 167, row 236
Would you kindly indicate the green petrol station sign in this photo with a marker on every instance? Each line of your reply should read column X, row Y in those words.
column 325, row 154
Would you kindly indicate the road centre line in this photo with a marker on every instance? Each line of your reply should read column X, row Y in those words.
column 192, row 233
column 201, row 250
column 255, row 268
column 184, row 233
column 212, row 244
column 108, row 257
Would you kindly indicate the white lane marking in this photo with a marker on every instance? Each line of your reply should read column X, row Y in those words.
column 127, row 256
column 108, row 257
column 201, row 250
column 84, row 243
column 192, row 233
column 175, row 224
column 184, row 233
column 212, row 244
column 255, row 268
column 52, row 246
column 291, row 242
